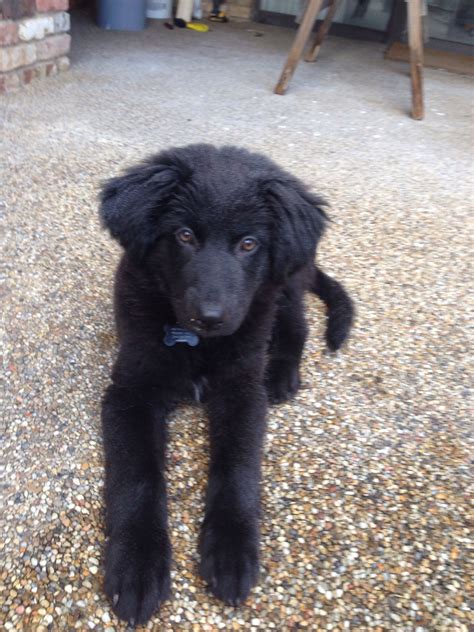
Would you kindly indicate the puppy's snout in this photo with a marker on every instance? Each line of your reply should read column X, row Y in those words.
column 210, row 315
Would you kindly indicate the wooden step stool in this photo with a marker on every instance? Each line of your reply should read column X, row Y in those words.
column 415, row 41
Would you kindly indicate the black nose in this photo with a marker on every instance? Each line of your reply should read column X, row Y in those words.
column 210, row 315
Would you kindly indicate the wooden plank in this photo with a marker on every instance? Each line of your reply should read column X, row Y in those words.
column 304, row 30
column 415, row 40
column 454, row 62
column 322, row 32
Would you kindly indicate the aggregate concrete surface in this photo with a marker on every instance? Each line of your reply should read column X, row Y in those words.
column 367, row 486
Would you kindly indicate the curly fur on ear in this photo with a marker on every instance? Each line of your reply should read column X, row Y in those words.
column 130, row 203
column 299, row 223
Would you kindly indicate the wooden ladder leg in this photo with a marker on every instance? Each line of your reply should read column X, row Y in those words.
column 322, row 32
column 415, row 40
column 299, row 43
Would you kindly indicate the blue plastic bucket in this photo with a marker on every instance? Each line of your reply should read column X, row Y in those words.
column 121, row 15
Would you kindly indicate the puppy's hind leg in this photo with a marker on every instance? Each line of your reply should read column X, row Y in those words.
column 286, row 347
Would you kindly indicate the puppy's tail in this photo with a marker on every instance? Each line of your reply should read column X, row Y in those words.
column 340, row 308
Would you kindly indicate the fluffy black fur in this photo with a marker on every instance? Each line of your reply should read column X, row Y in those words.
column 221, row 242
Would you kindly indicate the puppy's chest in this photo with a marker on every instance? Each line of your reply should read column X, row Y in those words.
column 197, row 387
column 200, row 389
column 200, row 370
column 191, row 368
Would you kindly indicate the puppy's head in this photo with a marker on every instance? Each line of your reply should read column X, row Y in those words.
column 213, row 227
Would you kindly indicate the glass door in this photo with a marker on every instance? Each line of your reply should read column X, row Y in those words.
column 372, row 14
column 451, row 20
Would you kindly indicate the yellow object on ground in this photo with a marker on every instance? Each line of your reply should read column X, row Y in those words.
column 197, row 26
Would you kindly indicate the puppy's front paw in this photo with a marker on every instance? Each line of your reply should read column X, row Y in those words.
column 137, row 576
column 283, row 382
column 229, row 558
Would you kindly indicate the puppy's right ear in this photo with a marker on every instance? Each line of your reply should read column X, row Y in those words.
column 131, row 204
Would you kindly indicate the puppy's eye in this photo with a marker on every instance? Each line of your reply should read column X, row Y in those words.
column 185, row 235
column 248, row 244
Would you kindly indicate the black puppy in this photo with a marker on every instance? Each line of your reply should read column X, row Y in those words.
column 219, row 249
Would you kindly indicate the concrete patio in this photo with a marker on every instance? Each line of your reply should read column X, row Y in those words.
column 367, row 479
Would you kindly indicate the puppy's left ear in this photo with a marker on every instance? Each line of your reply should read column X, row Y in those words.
column 299, row 222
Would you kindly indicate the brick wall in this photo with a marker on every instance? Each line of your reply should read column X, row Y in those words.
column 33, row 40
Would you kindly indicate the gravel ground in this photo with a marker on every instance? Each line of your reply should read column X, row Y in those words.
column 366, row 493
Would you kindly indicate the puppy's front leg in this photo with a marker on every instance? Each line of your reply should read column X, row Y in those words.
column 137, row 563
column 230, row 533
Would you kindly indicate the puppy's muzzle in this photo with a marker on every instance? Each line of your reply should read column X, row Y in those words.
column 209, row 317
